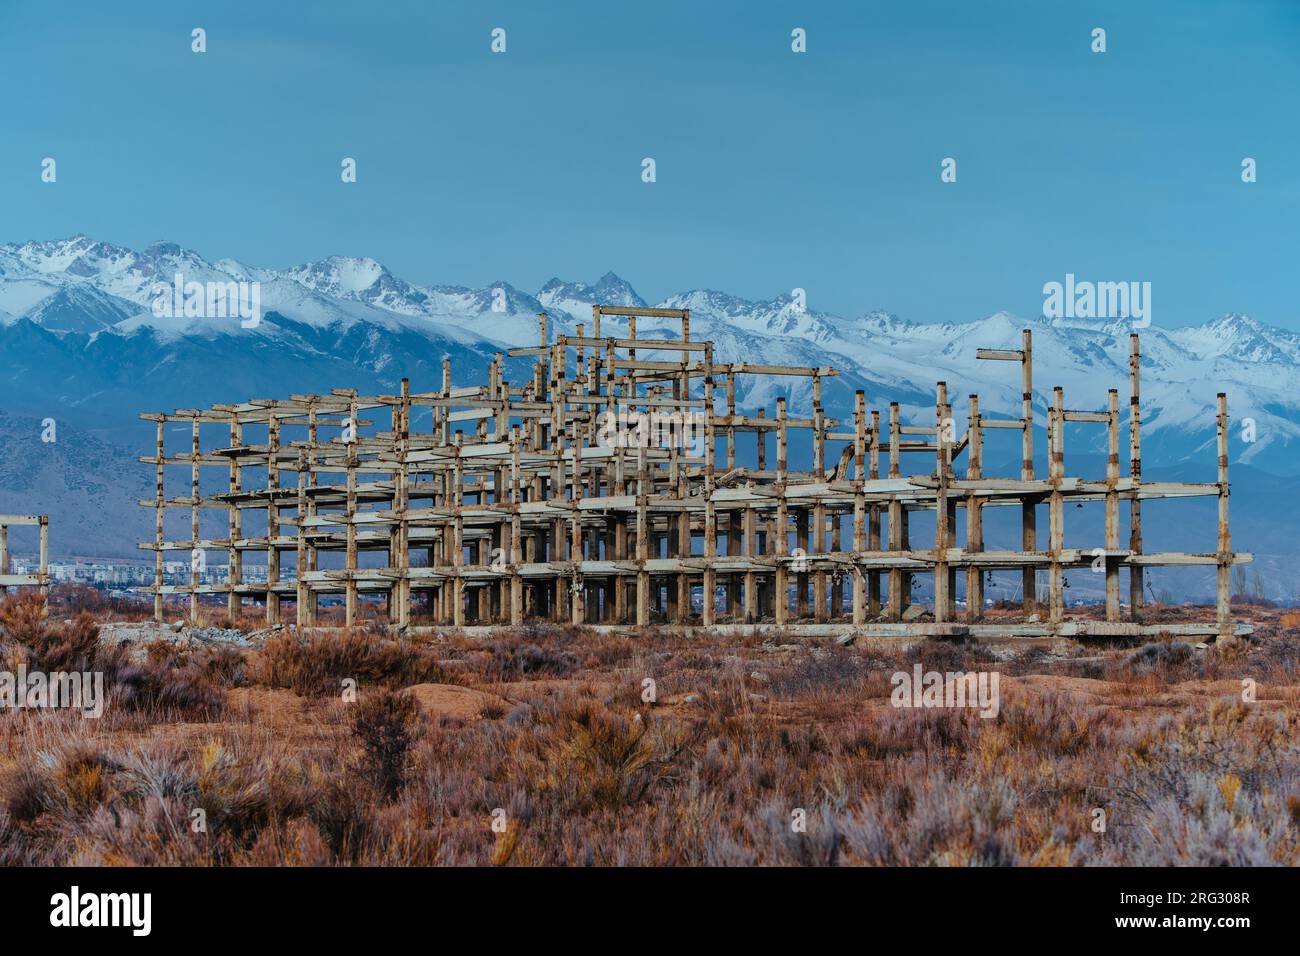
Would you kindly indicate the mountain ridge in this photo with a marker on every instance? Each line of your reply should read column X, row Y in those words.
column 80, row 342
column 81, row 286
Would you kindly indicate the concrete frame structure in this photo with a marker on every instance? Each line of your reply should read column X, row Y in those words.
column 516, row 505
column 41, row 578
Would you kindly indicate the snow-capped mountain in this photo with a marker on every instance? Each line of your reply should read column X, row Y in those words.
column 90, row 303
column 575, row 298
column 80, row 341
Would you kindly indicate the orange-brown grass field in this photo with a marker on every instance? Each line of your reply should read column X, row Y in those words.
column 538, row 746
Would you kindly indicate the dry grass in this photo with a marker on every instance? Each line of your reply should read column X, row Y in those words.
column 315, row 667
column 736, row 754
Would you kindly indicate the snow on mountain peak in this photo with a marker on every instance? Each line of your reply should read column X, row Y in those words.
column 78, row 255
column 784, row 316
column 1239, row 338
column 574, row 299
column 80, row 286
column 339, row 275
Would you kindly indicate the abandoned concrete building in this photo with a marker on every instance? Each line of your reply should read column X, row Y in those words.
column 607, row 489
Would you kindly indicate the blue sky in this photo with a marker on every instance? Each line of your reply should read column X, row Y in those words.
column 775, row 170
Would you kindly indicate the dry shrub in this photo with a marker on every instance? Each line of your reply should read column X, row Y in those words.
column 903, row 731
column 251, row 795
column 162, row 681
column 1169, row 661
column 1211, row 789
column 585, row 756
column 1277, row 659
column 780, row 836
column 222, row 664
column 261, row 807
column 545, row 650
column 1048, row 723
column 934, row 820
column 727, row 702
column 246, row 620
column 950, row 655
column 165, row 680
column 25, row 793
column 316, row 666
column 529, row 652
column 48, row 646
column 383, row 723
column 81, row 779
column 226, row 666
column 836, row 670
column 713, row 780
column 50, row 794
